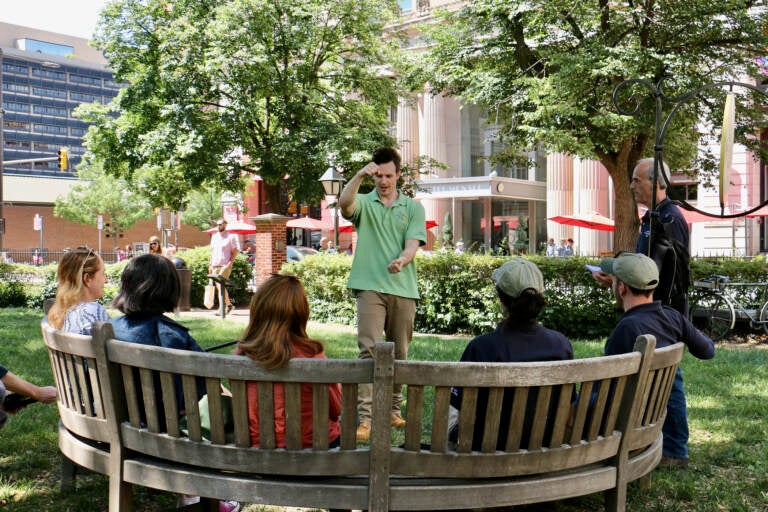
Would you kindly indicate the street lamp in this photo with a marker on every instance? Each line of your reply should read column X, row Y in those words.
column 333, row 182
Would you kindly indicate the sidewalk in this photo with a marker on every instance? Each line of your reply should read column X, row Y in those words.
column 241, row 316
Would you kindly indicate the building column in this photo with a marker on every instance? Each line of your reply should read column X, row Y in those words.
column 591, row 191
column 407, row 130
column 432, row 132
column 559, row 194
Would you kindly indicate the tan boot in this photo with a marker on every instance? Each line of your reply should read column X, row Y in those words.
column 397, row 420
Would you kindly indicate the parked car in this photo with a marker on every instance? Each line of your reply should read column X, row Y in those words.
column 298, row 253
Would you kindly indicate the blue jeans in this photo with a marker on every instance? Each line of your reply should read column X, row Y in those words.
column 675, row 427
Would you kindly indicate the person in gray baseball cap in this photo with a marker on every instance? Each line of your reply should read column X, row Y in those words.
column 634, row 278
column 518, row 338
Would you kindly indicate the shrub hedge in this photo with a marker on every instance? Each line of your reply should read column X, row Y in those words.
column 457, row 295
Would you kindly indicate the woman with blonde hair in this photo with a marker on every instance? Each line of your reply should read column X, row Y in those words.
column 81, row 280
column 276, row 333
column 155, row 247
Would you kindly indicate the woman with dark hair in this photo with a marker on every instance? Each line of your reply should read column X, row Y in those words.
column 276, row 333
column 518, row 338
column 149, row 288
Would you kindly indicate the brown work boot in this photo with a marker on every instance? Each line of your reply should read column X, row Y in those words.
column 364, row 432
column 397, row 420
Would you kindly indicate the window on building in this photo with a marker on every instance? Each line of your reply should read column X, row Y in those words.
column 49, row 73
column 16, row 69
column 19, row 88
column 84, row 98
column 48, row 128
column 12, row 106
column 17, row 144
column 49, row 111
column 49, row 93
column 16, row 125
column 88, row 80
column 34, row 45
column 77, row 132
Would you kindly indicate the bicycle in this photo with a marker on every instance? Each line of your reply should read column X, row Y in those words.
column 716, row 303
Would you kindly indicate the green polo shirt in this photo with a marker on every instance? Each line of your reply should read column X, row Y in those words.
column 381, row 236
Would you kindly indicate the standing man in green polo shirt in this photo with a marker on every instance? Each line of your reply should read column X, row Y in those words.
column 390, row 228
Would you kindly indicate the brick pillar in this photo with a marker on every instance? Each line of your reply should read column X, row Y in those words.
column 270, row 245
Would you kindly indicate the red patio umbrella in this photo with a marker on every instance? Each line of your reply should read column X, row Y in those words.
column 236, row 227
column 306, row 223
column 591, row 221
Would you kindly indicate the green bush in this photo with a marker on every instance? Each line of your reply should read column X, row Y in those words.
column 12, row 294
column 15, row 292
column 458, row 296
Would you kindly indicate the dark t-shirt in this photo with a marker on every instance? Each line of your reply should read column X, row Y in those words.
column 500, row 346
column 665, row 323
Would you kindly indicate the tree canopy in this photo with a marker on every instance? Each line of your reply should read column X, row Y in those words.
column 219, row 88
column 546, row 71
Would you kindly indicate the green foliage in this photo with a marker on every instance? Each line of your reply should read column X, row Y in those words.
column 12, row 294
column 290, row 85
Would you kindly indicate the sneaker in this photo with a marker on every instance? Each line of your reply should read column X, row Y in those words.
column 672, row 462
column 186, row 500
column 364, row 432
column 229, row 506
column 397, row 420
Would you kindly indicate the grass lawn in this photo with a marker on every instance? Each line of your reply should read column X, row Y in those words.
column 727, row 401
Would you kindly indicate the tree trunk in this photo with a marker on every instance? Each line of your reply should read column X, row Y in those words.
column 620, row 166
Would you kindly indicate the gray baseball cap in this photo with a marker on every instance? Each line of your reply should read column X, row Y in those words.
column 516, row 276
column 636, row 270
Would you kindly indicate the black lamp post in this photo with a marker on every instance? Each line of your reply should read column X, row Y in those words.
column 333, row 183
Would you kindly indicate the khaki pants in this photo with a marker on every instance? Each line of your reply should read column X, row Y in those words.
column 393, row 316
column 224, row 272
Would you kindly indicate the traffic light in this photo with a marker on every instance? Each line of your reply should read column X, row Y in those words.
column 63, row 159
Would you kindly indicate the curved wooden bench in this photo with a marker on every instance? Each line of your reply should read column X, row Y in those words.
column 608, row 436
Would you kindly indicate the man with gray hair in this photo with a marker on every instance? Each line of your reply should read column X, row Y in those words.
column 669, row 222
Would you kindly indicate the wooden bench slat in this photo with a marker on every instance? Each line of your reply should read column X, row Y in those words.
column 414, row 411
column 440, row 413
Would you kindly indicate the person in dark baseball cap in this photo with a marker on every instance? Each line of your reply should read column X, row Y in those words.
column 635, row 270
column 634, row 278
column 516, row 276
column 519, row 337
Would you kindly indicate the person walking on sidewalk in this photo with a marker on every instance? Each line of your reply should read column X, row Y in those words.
column 224, row 249
column 391, row 228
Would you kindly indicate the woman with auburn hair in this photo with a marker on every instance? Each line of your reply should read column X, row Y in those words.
column 276, row 333
column 81, row 280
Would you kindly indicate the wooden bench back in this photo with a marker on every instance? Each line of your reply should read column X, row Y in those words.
column 651, row 403
column 79, row 381
column 153, row 429
column 547, row 431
